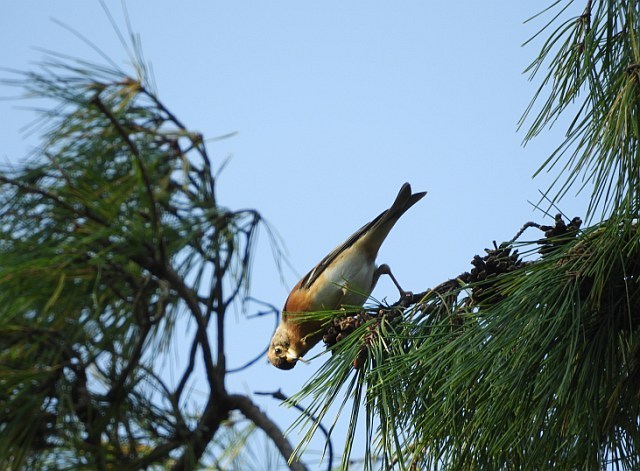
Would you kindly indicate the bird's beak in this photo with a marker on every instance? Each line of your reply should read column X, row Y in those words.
column 293, row 357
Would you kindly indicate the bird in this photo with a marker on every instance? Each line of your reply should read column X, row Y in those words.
column 345, row 277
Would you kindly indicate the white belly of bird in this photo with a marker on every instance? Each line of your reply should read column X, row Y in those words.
column 347, row 281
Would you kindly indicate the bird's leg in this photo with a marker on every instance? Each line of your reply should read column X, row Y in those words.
column 384, row 269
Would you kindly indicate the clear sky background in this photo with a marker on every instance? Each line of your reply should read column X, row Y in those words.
column 335, row 105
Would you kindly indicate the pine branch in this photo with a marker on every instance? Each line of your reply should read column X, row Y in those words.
column 253, row 413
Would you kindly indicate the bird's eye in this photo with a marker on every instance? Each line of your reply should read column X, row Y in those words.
column 278, row 350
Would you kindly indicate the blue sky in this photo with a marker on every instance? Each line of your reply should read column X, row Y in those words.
column 335, row 105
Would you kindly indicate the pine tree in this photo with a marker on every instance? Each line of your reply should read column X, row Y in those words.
column 110, row 237
column 531, row 360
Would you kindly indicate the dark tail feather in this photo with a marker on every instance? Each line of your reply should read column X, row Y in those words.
column 403, row 202
column 381, row 225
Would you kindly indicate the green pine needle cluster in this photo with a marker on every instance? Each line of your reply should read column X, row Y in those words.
column 591, row 67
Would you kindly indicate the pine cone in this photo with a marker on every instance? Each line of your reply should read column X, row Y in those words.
column 340, row 327
column 498, row 261
column 558, row 234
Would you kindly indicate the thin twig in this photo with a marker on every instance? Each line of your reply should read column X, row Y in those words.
column 187, row 371
column 253, row 413
column 526, row 226
column 262, row 353
column 283, row 397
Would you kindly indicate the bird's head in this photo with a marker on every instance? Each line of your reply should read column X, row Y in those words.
column 282, row 353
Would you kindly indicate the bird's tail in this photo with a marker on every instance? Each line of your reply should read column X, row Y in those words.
column 403, row 202
column 387, row 219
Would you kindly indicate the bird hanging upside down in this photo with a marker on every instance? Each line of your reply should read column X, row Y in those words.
column 345, row 277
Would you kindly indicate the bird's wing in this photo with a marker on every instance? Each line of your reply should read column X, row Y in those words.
column 313, row 275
